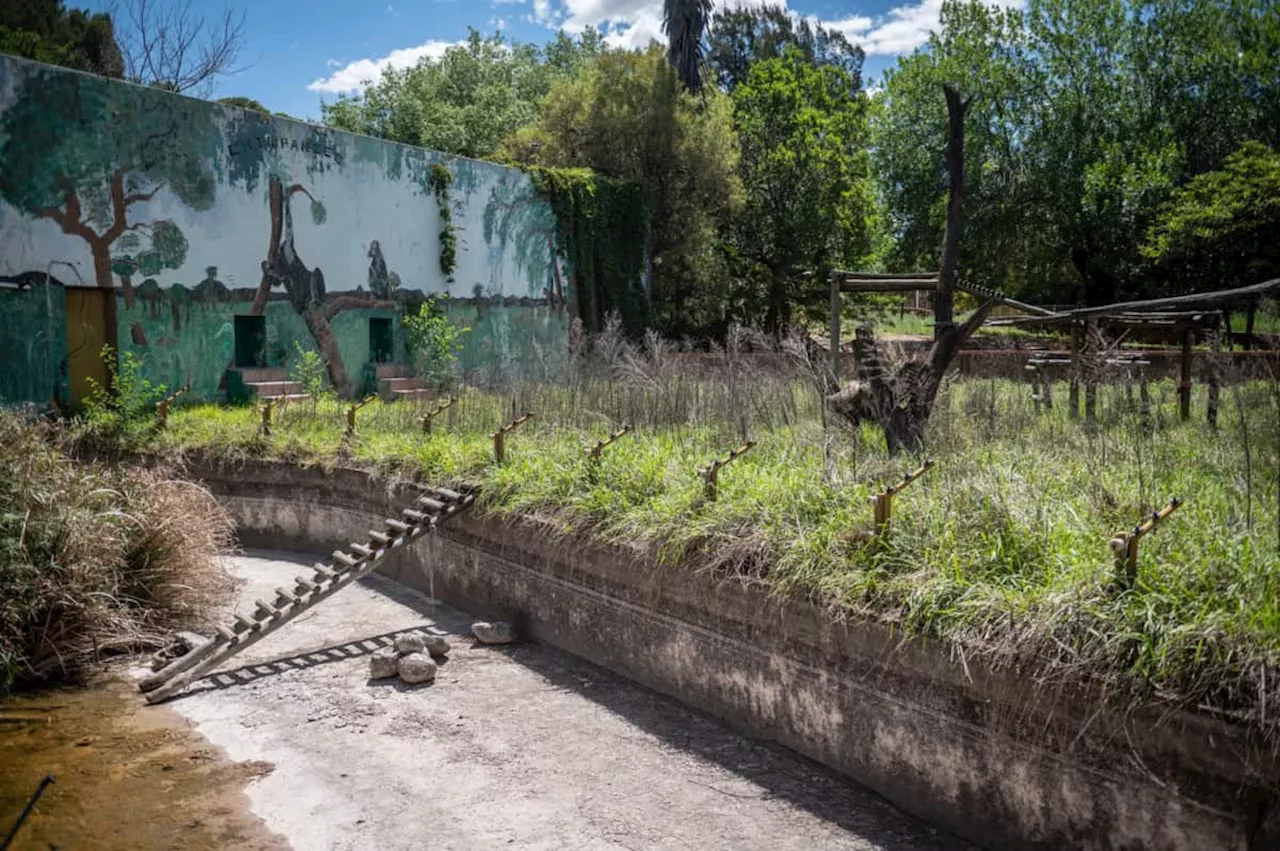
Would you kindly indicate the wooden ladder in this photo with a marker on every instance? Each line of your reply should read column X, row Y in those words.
column 327, row 579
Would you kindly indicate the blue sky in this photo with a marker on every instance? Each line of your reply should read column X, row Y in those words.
column 298, row 52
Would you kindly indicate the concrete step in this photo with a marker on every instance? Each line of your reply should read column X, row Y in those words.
column 390, row 385
column 420, row 394
column 259, row 374
column 271, row 389
column 393, row 370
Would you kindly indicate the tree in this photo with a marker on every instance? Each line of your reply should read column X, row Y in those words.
column 742, row 36
column 168, row 46
column 805, row 168
column 1219, row 229
column 46, row 31
column 685, row 22
column 467, row 101
column 627, row 117
column 245, row 103
column 88, row 175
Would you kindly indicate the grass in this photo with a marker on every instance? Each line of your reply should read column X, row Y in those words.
column 95, row 559
column 1001, row 551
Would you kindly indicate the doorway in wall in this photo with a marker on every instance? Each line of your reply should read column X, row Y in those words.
column 381, row 340
column 251, row 341
column 87, row 333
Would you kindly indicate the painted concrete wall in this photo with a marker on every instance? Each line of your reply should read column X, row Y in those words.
column 194, row 212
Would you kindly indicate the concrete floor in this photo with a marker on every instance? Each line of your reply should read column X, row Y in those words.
column 514, row 747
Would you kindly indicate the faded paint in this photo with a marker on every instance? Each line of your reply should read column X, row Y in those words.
column 195, row 212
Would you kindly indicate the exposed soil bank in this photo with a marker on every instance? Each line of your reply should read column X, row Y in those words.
column 987, row 754
column 128, row 776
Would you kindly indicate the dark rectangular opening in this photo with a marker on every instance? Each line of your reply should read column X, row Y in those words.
column 381, row 340
column 251, row 341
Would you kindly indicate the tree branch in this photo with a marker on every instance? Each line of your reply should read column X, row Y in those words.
column 355, row 302
column 297, row 187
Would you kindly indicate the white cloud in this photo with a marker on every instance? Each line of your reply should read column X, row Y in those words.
column 501, row 2
column 902, row 30
column 354, row 76
column 542, row 12
column 332, row 63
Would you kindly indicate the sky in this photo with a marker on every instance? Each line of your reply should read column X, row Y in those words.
column 298, row 53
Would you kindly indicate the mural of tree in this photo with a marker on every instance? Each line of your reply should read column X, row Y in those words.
column 150, row 251
column 516, row 211
column 255, row 153
column 82, row 152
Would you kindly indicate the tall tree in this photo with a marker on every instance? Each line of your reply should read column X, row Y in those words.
column 805, row 167
column 244, row 103
column 45, row 30
column 743, row 35
column 685, row 22
column 168, row 45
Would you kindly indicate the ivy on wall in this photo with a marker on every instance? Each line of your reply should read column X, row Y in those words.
column 603, row 226
column 439, row 180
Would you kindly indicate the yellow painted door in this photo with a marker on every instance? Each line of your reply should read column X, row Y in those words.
column 86, row 335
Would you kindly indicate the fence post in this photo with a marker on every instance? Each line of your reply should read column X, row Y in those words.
column 883, row 502
column 351, row 416
column 1125, row 544
column 500, row 436
column 711, row 473
column 265, row 428
column 439, row 409
column 162, row 407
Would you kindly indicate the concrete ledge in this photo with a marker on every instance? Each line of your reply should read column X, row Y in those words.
column 985, row 754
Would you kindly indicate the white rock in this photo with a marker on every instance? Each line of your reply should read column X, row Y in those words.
column 498, row 632
column 437, row 645
column 382, row 663
column 411, row 642
column 417, row 668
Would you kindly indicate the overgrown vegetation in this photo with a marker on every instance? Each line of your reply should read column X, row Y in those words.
column 1000, row 553
column 433, row 342
column 124, row 407
column 96, row 560
column 439, row 180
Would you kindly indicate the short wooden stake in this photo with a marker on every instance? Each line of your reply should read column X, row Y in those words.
column 711, row 473
column 432, row 414
column 594, row 452
column 500, row 437
column 1124, row 545
column 883, row 502
column 265, row 428
column 351, row 415
column 162, row 407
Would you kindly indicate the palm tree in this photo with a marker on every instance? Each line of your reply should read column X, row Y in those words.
column 685, row 23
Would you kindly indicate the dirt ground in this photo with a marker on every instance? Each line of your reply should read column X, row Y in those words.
column 512, row 747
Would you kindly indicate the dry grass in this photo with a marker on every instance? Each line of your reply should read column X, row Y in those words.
column 95, row 559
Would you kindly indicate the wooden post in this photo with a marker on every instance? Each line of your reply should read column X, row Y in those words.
column 711, row 473
column 1184, row 383
column 351, row 416
column 162, row 407
column 835, row 327
column 432, row 414
column 1215, row 377
column 594, row 452
column 1124, row 545
column 500, row 436
column 265, row 428
column 883, row 502
column 1073, row 389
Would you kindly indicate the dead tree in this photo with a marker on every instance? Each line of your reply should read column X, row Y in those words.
column 902, row 398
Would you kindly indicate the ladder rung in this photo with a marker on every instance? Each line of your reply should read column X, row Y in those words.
column 265, row 609
column 323, row 571
column 381, row 537
column 284, row 597
column 434, row 506
column 451, row 495
column 397, row 525
column 413, row 516
column 343, row 559
column 243, row 624
column 303, row 582
column 225, row 634
column 361, row 550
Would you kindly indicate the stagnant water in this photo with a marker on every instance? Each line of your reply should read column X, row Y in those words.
column 128, row 775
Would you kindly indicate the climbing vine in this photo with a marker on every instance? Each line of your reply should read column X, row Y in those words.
column 439, row 180
column 603, row 226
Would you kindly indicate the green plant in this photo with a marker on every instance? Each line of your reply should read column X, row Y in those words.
column 433, row 341
column 440, row 179
column 130, row 402
column 311, row 373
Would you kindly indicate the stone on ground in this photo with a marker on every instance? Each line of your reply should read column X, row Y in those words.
column 498, row 632
column 417, row 668
column 437, row 645
column 411, row 642
column 382, row 663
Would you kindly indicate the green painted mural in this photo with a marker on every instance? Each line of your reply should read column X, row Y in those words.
column 33, row 342
column 197, row 216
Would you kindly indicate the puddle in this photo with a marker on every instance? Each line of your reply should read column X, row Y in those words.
column 128, row 775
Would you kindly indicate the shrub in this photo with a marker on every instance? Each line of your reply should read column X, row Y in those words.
column 433, row 342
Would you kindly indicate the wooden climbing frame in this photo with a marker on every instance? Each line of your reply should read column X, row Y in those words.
column 882, row 503
column 1125, row 544
column 711, row 473
column 343, row 568
column 435, row 412
column 500, row 437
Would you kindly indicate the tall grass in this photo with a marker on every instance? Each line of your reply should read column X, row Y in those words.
column 96, row 560
column 1001, row 551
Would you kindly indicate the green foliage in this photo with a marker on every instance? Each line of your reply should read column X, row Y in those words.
column 433, row 342
column 244, row 103
column 439, row 179
column 603, row 225
column 129, row 404
column 1219, row 229
column 685, row 22
column 742, row 36
column 467, row 101
column 802, row 131
column 627, row 118
column 48, row 32
column 311, row 372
